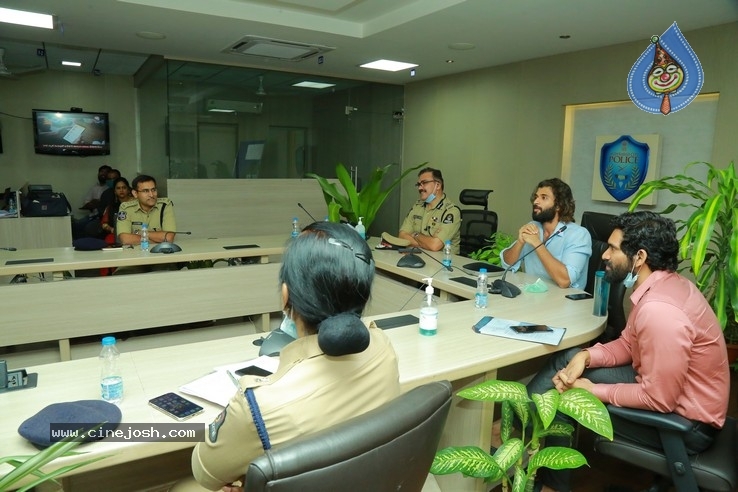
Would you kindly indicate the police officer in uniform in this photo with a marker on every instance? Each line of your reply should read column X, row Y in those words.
column 334, row 370
column 148, row 208
column 434, row 219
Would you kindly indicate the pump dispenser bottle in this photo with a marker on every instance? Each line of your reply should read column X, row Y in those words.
column 428, row 312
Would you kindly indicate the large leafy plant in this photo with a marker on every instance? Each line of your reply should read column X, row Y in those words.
column 709, row 237
column 352, row 204
column 536, row 419
column 26, row 465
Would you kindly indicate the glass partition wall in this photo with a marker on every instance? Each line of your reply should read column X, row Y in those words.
column 222, row 122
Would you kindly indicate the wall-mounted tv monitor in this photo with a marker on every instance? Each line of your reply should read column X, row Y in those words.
column 70, row 132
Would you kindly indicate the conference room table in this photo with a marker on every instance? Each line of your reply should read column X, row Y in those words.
column 60, row 310
column 456, row 353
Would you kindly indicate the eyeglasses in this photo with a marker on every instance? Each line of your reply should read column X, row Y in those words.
column 150, row 191
column 424, row 182
column 337, row 242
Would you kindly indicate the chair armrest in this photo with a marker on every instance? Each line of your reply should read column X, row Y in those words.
column 667, row 421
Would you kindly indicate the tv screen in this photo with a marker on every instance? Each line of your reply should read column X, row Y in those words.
column 70, row 133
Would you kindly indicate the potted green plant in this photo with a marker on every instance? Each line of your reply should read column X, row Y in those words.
column 354, row 204
column 26, row 465
column 491, row 253
column 709, row 237
column 537, row 419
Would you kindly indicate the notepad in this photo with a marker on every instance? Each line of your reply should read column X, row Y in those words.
column 500, row 327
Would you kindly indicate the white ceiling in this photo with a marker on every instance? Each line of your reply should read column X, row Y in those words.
column 102, row 33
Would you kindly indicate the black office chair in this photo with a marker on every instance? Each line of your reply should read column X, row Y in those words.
column 389, row 448
column 476, row 225
column 600, row 227
column 714, row 469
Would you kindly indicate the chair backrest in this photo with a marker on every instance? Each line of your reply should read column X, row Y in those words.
column 476, row 228
column 386, row 449
column 474, row 197
column 600, row 227
column 476, row 225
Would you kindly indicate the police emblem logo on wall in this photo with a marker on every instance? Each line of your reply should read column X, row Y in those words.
column 667, row 76
column 622, row 164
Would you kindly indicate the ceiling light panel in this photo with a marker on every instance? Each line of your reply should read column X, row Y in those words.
column 24, row 18
column 388, row 65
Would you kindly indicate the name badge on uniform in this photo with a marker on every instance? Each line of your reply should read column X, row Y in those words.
column 136, row 227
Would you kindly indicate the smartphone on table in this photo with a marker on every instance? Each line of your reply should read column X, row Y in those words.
column 480, row 324
column 253, row 371
column 578, row 297
column 530, row 328
column 175, row 406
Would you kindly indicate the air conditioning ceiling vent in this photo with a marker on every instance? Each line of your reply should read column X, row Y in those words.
column 275, row 48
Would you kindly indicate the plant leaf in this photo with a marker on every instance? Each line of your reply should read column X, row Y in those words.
column 509, row 453
column 470, row 461
column 587, row 409
column 496, row 390
column 556, row 458
column 546, row 404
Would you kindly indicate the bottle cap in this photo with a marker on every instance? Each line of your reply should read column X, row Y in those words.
column 108, row 341
column 482, row 270
column 600, row 273
column 360, row 220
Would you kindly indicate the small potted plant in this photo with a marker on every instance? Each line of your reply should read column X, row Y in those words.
column 709, row 237
column 26, row 465
column 536, row 418
column 491, row 253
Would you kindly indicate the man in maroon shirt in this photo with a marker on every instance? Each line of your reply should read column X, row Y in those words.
column 670, row 357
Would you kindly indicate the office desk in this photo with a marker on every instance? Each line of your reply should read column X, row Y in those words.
column 456, row 353
column 60, row 310
column 68, row 259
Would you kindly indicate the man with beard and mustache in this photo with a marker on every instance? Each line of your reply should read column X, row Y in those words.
column 562, row 257
column 670, row 357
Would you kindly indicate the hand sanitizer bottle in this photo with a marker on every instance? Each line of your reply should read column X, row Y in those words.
column 360, row 228
column 428, row 312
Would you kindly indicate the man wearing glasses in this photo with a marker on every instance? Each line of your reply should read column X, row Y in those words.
column 148, row 208
column 434, row 219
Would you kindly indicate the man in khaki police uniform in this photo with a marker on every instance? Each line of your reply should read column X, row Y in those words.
column 146, row 209
column 434, row 219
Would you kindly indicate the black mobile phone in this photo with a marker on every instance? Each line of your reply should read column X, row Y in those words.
column 175, row 406
column 252, row 371
column 578, row 297
column 530, row 328
column 478, row 326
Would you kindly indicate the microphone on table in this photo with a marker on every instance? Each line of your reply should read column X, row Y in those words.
column 168, row 247
column 506, row 289
column 421, row 250
column 309, row 214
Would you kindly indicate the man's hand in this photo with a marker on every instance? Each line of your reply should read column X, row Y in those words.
column 529, row 234
column 569, row 377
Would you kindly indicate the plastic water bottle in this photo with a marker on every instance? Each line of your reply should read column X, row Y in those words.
column 447, row 254
column 295, row 227
column 480, row 299
column 360, row 228
column 11, row 205
column 111, row 379
column 144, row 237
column 428, row 312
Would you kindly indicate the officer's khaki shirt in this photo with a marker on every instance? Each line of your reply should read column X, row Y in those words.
column 131, row 216
column 310, row 391
column 442, row 221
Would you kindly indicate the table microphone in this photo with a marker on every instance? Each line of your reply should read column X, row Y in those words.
column 309, row 214
column 506, row 289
